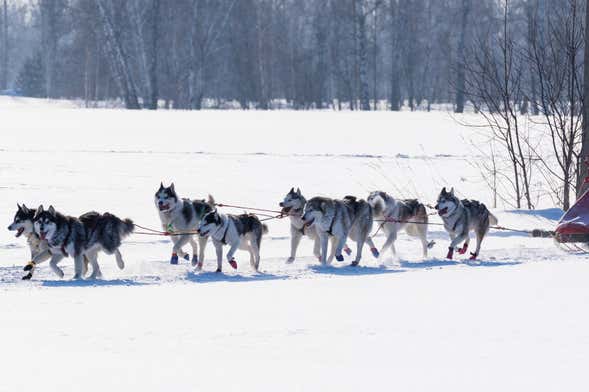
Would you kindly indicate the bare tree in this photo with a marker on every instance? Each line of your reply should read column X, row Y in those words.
column 582, row 184
column 493, row 81
column 117, row 56
column 4, row 46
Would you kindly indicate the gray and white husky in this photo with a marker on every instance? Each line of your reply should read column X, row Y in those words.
column 238, row 231
column 23, row 225
column 183, row 215
column 338, row 220
column 79, row 237
column 396, row 214
column 462, row 216
column 293, row 205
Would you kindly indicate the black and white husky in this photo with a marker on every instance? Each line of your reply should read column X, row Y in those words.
column 339, row 219
column 183, row 215
column 462, row 216
column 238, row 231
column 81, row 237
column 396, row 214
column 293, row 206
column 23, row 225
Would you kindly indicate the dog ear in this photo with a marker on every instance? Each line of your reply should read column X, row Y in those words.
column 443, row 191
column 211, row 201
column 19, row 207
column 452, row 191
column 299, row 191
column 39, row 211
column 291, row 190
column 161, row 186
column 172, row 187
column 51, row 210
column 24, row 209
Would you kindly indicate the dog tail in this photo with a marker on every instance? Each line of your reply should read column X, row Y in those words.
column 493, row 221
column 264, row 228
column 126, row 227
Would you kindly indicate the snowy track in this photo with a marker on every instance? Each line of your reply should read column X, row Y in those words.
column 516, row 320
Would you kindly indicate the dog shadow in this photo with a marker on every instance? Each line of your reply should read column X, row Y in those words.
column 92, row 283
column 436, row 263
column 212, row 277
column 348, row 270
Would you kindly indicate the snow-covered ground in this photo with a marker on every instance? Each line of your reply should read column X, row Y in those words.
column 514, row 321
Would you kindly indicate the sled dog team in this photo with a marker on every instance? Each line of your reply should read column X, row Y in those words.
column 54, row 236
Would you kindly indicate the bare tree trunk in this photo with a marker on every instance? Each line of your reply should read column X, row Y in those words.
column 117, row 56
column 582, row 186
column 362, row 42
column 4, row 52
column 460, row 84
column 395, row 57
column 49, row 23
column 153, row 55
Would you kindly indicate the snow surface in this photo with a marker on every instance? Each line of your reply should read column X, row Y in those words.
column 516, row 320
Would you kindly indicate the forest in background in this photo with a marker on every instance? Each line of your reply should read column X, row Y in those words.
column 264, row 54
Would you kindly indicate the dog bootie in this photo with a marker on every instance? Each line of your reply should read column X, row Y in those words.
column 375, row 252
column 27, row 276
column 194, row 260
column 463, row 249
column 186, row 257
column 473, row 256
column 450, row 253
column 347, row 250
column 339, row 258
column 233, row 263
column 174, row 259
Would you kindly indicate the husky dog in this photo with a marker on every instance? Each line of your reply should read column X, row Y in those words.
column 293, row 206
column 182, row 215
column 238, row 231
column 79, row 237
column 23, row 224
column 385, row 207
column 339, row 219
column 462, row 216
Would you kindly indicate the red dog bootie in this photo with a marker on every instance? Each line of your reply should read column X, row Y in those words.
column 450, row 253
column 233, row 263
column 463, row 249
column 347, row 250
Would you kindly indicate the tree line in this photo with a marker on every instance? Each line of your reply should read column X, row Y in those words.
column 264, row 54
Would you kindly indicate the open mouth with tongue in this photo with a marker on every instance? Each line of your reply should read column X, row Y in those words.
column 286, row 210
column 443, row 211
column 43, row 235
column 19, row 232
column 164, row 207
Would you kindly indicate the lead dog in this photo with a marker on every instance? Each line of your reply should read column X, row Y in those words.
column 462, row 216
column 395, row 215
column 182, row 215
column 79, row 237
column 23, row 225
column 339, row 219
column 238, row 231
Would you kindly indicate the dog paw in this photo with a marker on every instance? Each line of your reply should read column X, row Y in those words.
column 339, row 258
column 375, row 253
column 219, row 270
column 347, row 250
column 450, row 254
column 77, row 277
column 27, row 276
column 194, row 261
column 174, row 259
column 473, row 256
column 29, row 266
column 355, row 263
column 290, row 260
column 186, row 257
